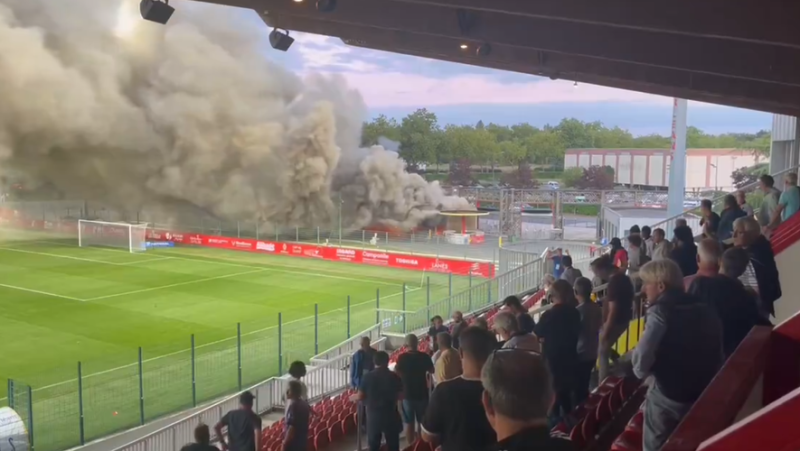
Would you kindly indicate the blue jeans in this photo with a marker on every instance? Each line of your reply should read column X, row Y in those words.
column 414, row 409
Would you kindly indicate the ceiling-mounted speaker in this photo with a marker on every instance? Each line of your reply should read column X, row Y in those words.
column 156, row 11
column 326, row 6
column 484, row 49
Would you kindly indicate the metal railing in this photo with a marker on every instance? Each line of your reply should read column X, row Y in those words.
column 329, row 376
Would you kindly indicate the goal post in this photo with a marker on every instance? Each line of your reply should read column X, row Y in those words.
column 132, row 237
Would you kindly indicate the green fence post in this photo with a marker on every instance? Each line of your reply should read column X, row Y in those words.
column 239, row 351
column 80, row 404
column 428, row 297
column 141, row 387
column 470, row 279
column 450, row 284
column 469, row 308
column 404, row 307
column 316, row 329
column 194, row 376
column 30, row 417
column 11, row 393
column 280, row 343
column 348, row 316
column 489, row 293
column 377, row 306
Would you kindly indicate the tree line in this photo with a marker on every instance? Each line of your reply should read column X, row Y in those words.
column 424, row 141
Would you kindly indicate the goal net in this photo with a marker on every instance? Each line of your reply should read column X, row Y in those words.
column 112, row 234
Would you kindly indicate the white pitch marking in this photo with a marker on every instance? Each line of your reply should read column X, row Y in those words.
column 45, row 293
column 179, row 284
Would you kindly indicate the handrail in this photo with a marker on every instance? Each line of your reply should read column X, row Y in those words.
column 663, row 224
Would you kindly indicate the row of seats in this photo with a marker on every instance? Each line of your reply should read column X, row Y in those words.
column 631, row 437
column 332, row 420
column 605, row 402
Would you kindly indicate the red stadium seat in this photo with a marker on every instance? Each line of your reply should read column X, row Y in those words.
column 349, row 424
column 321, row 440
column 576, row 436
column 628, row 441
column 335, row 432
column 422, row 445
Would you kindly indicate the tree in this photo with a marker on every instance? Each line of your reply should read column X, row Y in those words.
column 461, row 173
column 545, row 147
column 418, row 137
column 521, row 178
column 749, row 175
column 378, row 127
column 596, row 177
column 572, row 176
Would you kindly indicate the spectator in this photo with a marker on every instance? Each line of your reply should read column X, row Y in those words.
column 635, row 230
column 362, row 363
column 762, row 273
column 736, row 307
column 458, row 326
column 648, row 241
column 708, row 254
column 244, row 427
column 602, row 270
column 730, row 212
column 437, row 327
column 741, row 199
column 636, row 256
column 559, row 329
column 202, row 440
column 380, row 390
column 547, row 281
column 449, row 364
column 681, row 347
column 507, row 327
column 588, row 342
column 617, row 304
column 710, row 220
column 681, row 222
column 618, row 254
column 556, row 255
column 685, row 251
column 526, row 322
column 570, row 274
column 661, row 247
column 480, row 323
column 455, row 418
column 413, row 368
column 297, row 371
column 770, row 203
column 788, row 203
column 297, row 419
column 517, row 395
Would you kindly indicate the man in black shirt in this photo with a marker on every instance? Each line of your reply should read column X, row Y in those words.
column 710, row 221
column 437, row 327
column 526, row 322
column 455, row 418
column 380, row 390
column 560, row 329
column 458, row 326
column 297, row 418
column 202, row 440
column 517, row 396
column 413, row 368
column 244, row 427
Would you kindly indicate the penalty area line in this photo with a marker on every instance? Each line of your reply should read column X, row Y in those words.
column 44, row 293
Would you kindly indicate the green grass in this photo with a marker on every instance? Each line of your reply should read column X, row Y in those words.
column 61, row 304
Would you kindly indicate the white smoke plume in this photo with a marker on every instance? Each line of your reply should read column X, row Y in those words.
column 189, row 118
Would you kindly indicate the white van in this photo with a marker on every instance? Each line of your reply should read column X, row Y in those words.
column 552, row 184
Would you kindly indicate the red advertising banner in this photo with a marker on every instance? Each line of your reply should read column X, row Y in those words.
column 366, row 257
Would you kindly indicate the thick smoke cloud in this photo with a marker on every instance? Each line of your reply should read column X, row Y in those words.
column 189, row 119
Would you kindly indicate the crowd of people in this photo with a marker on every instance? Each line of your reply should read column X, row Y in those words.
column 506, row 388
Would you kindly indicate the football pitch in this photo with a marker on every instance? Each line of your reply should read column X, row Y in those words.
column 61, row 304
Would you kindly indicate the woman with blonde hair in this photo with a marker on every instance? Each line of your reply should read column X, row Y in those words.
column 681, row 347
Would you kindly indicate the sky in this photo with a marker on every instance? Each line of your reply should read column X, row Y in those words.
column 396, row 85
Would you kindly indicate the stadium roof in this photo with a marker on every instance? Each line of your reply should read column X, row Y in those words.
column 742, row 53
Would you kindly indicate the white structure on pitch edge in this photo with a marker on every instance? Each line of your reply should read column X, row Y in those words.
column 112, row 234
column 706, row 169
